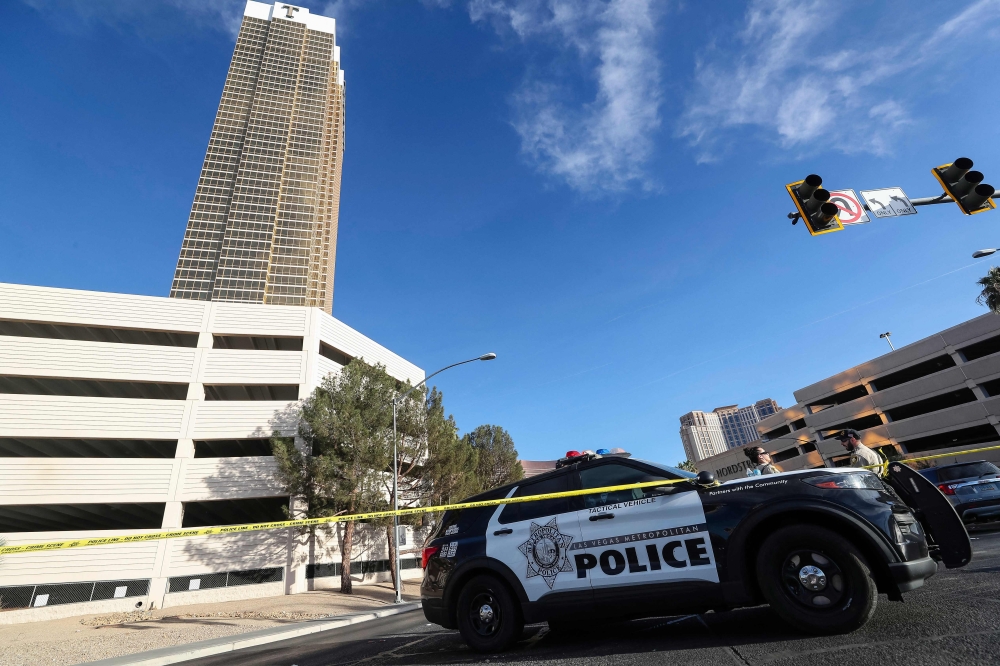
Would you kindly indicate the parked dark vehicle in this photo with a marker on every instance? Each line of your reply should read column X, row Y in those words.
column 817, row 545
column 972, row 487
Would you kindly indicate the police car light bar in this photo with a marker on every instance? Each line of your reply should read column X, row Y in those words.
column 578, row 456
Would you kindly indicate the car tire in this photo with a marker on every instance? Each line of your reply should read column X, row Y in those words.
column 816, row 580
column 488, row 615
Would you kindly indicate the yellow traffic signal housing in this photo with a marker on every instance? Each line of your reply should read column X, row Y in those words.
column 813, row 205
column 966, row 187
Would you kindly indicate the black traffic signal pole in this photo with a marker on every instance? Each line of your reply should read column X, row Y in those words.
column 944, row 197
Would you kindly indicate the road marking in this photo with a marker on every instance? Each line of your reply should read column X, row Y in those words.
column 391, row 652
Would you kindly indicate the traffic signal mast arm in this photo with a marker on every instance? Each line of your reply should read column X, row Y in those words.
column 960, row 183
column 944, row 197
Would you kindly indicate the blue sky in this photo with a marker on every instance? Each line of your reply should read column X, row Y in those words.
column 593, row 189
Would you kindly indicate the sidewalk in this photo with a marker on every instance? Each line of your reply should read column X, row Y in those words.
column 91, row 637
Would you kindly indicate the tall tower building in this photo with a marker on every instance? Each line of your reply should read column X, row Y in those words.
column 702, row 435
column 263, row 225
column 705, row 434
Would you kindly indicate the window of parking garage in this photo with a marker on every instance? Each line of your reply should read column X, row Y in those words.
column 991, row 388
column 808, row 447
column 283, row 392
column 981, row 349
column 979, row 434
column 259, row 342
column 798, row 424
column 80, row 517
column 51, row 447
column 235, row 512
column 36, row 596
column 847, row 395
column 208, row 581
column 777, row 432
column 130, row 336
column 928, row 405
column 92, row 388
column 232, row 448
column 334, row 354
column 787, row 454
column 863, row 423
column 913, row 372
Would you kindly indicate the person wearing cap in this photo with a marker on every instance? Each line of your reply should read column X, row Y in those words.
column 861, row 455
column 761, row 461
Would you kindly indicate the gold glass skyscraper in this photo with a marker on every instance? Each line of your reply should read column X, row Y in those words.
column 263, row 225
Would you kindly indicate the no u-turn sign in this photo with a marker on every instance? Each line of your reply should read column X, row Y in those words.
column 851, row 209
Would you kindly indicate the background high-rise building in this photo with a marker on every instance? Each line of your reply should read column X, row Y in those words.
column 738, row 422
column 263, row 225
column 701, row 435
column 705, row 434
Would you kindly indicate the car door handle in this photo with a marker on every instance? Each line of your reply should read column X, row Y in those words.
column 603, row 516
column 506, row 530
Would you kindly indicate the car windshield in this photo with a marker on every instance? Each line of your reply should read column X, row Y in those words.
column 968, row 471
column 672, row 470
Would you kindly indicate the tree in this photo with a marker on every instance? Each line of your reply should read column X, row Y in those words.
column 687, row 465
column 451, row 466
column 346, row 429
column 497, row 462
column 990, row 295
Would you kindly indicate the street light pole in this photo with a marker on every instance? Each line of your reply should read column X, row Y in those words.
column 395, row 465
column 886, row 336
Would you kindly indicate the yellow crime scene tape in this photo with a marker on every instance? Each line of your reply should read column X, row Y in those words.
column 883, row 465
column 307, row 522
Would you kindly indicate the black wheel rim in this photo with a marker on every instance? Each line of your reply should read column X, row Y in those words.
column 814, row 580
column 484, row 614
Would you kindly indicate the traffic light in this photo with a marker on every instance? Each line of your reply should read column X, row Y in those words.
column 813, row 204
column 966, row 187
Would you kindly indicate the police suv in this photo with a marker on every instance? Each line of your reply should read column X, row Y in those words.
column 817, row 545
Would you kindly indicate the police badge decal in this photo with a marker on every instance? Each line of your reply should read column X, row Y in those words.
column 547, row 551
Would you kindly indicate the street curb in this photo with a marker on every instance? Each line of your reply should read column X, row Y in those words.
column 181, row 653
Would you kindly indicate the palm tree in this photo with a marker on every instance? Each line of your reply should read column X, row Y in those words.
column 990, row 295
column 687, row 465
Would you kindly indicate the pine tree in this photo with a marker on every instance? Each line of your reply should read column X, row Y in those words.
column 497, row 462
column 346, row 430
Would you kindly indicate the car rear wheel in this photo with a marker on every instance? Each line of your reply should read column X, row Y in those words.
column 489, row 618
column 816, row 580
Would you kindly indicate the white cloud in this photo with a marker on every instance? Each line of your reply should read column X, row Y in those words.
column 784, row 80
column 601, row 144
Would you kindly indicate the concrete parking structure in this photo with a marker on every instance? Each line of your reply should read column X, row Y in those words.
column 940, row 394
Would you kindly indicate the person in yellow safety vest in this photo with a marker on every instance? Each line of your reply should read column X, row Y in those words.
column 761, row 460
column 861, row 455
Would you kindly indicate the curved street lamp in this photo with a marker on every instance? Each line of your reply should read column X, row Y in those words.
column 979, row 254
column 886, row 335
column 395, row 464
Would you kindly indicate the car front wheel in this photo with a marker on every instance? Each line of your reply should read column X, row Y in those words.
column 816, row 580
column 489, row 618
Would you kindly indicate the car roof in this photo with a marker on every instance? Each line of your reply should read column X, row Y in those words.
column 502, row 491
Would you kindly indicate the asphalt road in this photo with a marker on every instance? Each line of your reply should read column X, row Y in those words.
column 953, row 619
